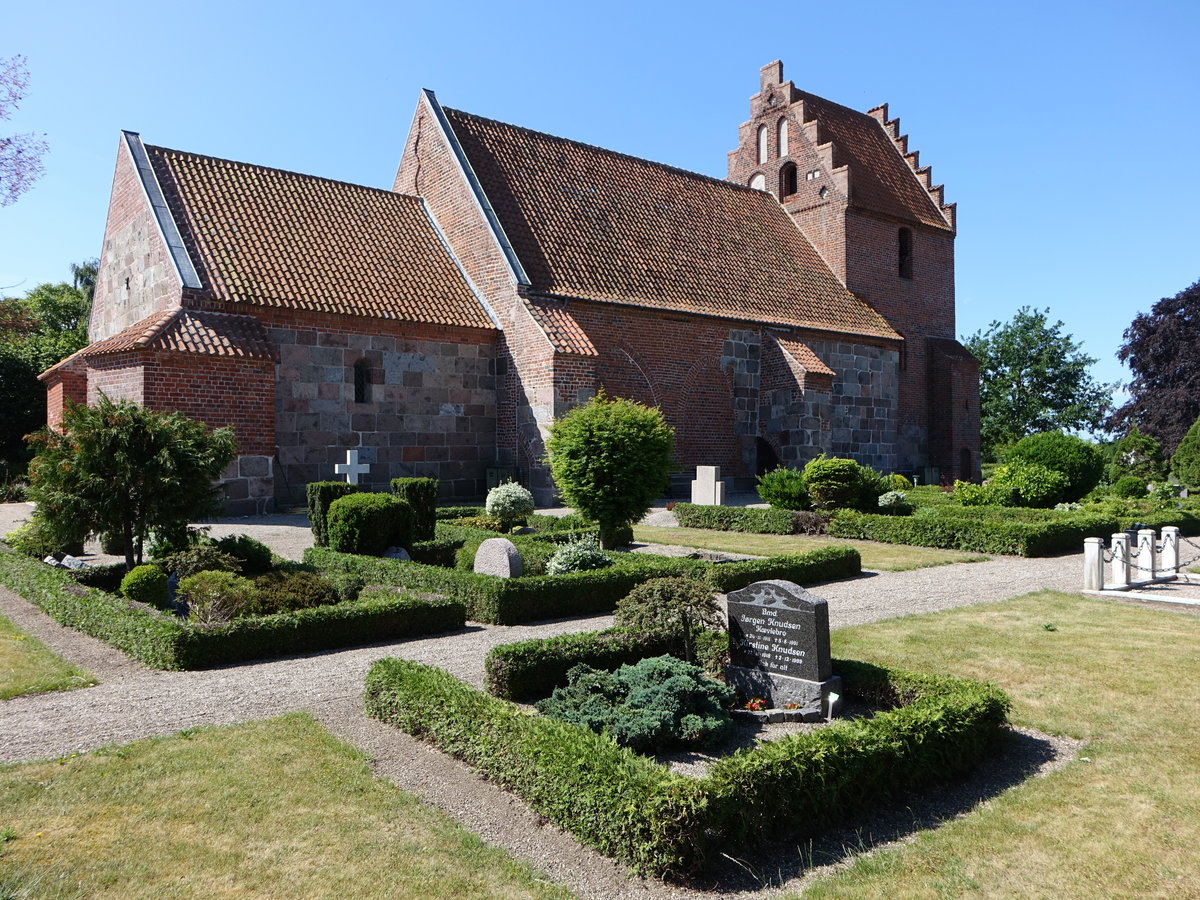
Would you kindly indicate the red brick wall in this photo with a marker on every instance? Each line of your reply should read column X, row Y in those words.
column 118, row 377
column 137, row 276
column 64, row 385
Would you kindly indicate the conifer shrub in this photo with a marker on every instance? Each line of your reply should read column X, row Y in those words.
column 896, row 482
column 146, row 584
column 783, row 488
column 656, row 703
column 1139, row 455
column 216, row 597
column 1185, row 464
column 582, row 555
column 367, row 524
column 1079, row 461
column 200, row 557
column 421, row 494
column 834, row 483
column 320, row 495
column 254, row 556
column 1129, row 487
column 285, row 591
column 510, row 503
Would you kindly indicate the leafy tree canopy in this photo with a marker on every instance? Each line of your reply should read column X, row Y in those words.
column 20, row 154
column 610, row 459
column 121, row 469
column 1161, row 350
column 1034, row 378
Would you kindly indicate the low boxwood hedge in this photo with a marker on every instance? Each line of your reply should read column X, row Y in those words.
column 735, row 518
column 665, row 825
column 810, row 567
column 164, row 641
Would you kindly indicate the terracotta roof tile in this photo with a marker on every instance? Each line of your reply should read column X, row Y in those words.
column 561, row 328
column 804, row 355
column 190, row 331
column 880, row 178
column 275, row 238
column 598, row 225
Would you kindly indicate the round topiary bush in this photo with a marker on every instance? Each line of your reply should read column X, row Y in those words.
column 1129, row 487
column 255, row 556
column 146, row 584
column 510, row 503
column 1079, row 461
column 367, row 524
column 783, row 488
column 214, row 597
column 583, row 555
column 835, row 483
column 896, row 482
column 659, row 702
column 1186, row 461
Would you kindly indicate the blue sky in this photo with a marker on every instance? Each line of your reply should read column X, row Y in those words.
column 1067, row 132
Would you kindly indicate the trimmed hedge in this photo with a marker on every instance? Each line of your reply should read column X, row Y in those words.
column 320, row 494
column 980, row 535
column 445, row 513
column 823, row 564
column 164, row 641
column 735, row 518
column 666, row 825
column 369, row 523
column 421, row 495
column 510, row 601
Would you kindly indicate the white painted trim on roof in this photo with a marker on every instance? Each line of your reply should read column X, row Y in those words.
column 184, row 267
column 481, row 200
column 491, row 314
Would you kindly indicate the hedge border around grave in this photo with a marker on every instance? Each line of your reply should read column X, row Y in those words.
column 668, row 826
column 162, row 641
column 735, row 518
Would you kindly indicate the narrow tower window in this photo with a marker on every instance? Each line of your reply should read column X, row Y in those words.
column 762, row 143
column 787, row 180
column 362, row 381
column 783, row 137
column 758, row 182
column 905, row 255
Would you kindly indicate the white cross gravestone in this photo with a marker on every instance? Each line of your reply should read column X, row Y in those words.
column 352, row 468
column 708, row 489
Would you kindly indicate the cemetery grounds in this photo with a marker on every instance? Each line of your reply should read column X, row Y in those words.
column 281, row 807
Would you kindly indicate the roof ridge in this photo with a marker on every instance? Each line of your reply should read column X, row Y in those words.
column 276, row 169
column 605, row 150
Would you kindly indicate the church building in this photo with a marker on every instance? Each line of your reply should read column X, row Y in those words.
column 803, row 305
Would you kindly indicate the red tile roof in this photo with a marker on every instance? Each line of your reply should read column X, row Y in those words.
column 190, row 331
column 598, row 225
column 560, row 327
column 881, row 179
column 274, row 238
column 804, row 355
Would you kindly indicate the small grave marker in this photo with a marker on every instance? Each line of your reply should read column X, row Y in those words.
column 779, row 647
column 708, row 489
column 352, row 468
column 498, row 556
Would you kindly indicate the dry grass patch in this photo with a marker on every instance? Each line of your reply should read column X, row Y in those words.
column 275, row 809
column 879, row 557
column 1124, row 819
column 27, row 666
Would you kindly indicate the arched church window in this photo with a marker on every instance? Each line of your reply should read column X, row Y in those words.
column 905, row 253
column 783, row 137
column 362, row 381
column 758, row 181
column 787, row 180
column 762, row 143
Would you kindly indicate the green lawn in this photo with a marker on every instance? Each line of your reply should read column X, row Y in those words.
column 276, row 809
column 1121, row 821
column 879, row 557
column 28, row 667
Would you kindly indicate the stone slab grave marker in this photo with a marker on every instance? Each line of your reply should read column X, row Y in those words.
column 498, row 556
column 352, row 468
column 708, row 489
column 779, row 650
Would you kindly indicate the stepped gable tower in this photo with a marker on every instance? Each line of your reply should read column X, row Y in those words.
column 863, row 200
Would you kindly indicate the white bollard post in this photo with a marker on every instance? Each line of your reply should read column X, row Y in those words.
column 1147, row 555
column 1120, row 561
column 1093, row 564
column 1168, row 560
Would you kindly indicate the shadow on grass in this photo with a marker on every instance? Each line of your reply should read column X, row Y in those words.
column 1019, row 756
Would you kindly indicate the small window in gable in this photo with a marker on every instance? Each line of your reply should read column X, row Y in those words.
column 362, row 381
column 783, row 137
column 758, row 182
column 905, row 253
column 762, row 143
column 787, row 180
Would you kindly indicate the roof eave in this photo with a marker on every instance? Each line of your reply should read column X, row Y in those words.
column 168, row 229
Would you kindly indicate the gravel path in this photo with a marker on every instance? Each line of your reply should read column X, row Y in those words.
column 133, row 701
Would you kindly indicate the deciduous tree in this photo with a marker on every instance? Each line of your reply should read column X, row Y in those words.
column 20, row 154
column 1161, row 349
column 1034, row 378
